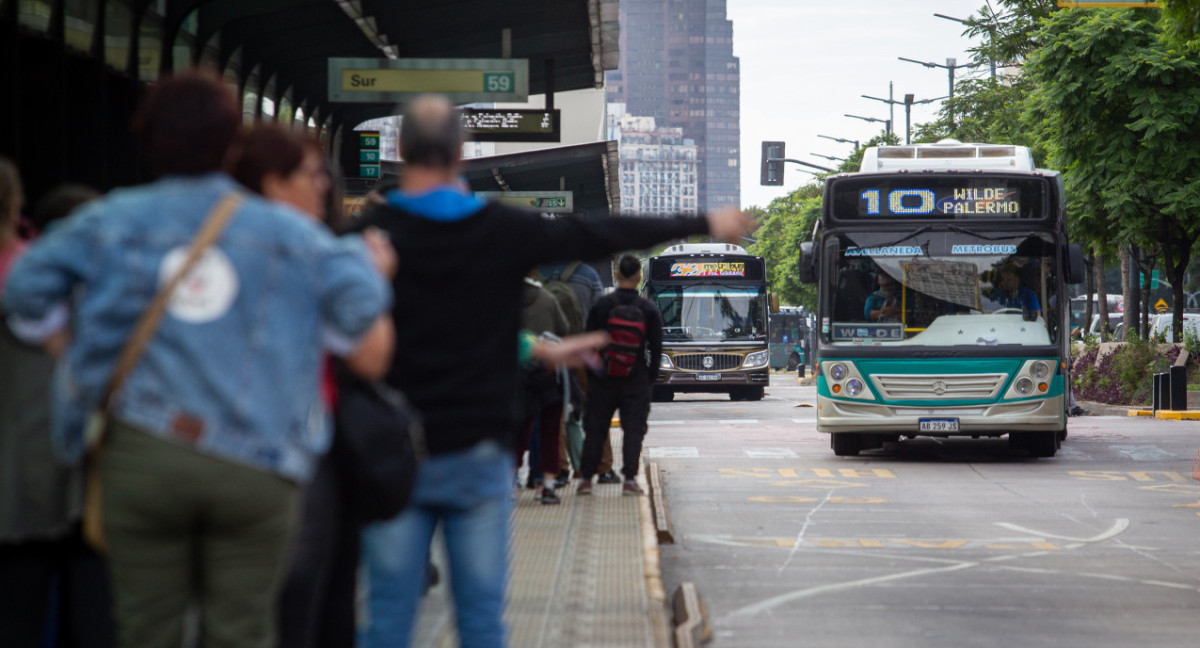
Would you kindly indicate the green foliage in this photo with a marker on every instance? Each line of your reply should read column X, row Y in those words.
column 786, row 222
column 1181, row 22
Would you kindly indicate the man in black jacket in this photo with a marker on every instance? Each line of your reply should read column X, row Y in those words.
column 629, row 394
column 457, row 307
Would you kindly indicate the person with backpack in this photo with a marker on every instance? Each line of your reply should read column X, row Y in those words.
column 576, row 286
column 634, row 326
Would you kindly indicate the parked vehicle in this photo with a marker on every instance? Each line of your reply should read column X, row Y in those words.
column 1160, row 325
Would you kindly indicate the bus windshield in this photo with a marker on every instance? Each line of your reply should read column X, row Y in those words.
column 941, row 288
column 711, row 312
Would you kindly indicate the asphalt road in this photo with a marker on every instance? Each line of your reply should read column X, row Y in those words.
column 929, row 542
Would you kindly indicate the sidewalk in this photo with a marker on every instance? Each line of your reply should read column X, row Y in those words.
column 582, row 573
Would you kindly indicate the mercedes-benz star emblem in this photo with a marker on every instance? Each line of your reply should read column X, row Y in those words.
column 939, row 387
column 708, row 362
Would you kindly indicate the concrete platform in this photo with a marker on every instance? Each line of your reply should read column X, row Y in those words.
column 581, row 573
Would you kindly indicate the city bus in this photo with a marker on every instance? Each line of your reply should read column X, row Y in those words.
column 788, row 335
column 943, row 309
column 713, row 299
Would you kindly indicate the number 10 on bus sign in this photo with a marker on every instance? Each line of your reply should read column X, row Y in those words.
column 499, row 81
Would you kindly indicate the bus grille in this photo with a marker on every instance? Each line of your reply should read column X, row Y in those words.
column 720, row 361
column 920, row 387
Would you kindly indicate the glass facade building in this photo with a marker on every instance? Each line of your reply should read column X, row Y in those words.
column 677, row 66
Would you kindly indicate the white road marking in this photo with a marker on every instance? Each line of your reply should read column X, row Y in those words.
column 1117, row 528
column 769, row 453
column 674, row 452
column 1143, row 452
column 667, row 422
column 738, row 422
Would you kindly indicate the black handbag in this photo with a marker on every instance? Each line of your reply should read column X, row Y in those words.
column 379, row 442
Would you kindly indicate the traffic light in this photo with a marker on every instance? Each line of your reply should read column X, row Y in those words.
column 772, row 164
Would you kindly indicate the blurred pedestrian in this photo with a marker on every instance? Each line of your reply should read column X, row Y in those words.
column 46, row 571
column 458, row 306
column 219, row 420
column 627, row 390
column 317, row 602
column 542, row 390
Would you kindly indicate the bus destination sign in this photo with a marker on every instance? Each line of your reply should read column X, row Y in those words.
column 951, row 198
column 503, row 125
column 700, row 269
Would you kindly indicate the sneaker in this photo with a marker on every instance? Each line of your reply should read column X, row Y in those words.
column 631, row 488
column 609, row 477
column 562, row 479
column 547, row 496
column 584, row 487
column 1079, row 411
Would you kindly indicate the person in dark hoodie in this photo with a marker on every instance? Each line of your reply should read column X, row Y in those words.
column 457, row 307
column 543, row 390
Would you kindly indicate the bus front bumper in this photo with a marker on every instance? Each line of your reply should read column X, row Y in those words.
column 719, row 381
column 997, row 419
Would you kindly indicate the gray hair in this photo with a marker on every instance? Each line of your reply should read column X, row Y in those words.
column 431, row 133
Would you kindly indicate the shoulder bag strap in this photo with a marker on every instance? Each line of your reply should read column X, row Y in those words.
column 148, row 322
column 569, row 270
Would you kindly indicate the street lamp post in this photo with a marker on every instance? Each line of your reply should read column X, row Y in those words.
column 951, row 65
column 908, row 104
column 829, row 157
column 839, row 139
column 991, row 37
column 886, row 122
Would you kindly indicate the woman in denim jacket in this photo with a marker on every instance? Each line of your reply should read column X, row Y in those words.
column 220, row 421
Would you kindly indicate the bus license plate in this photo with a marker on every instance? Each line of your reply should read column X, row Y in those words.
column 708, row 377
column 938, row 425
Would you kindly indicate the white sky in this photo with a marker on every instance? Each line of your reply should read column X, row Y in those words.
column 805, row 63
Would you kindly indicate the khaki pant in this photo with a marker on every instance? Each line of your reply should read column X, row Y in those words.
column 188, row 528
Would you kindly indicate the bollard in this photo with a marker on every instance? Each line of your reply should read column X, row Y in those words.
column 1159, row 393
column 1178, row 389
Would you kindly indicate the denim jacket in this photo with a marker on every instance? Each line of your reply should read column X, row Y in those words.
column 233, row 368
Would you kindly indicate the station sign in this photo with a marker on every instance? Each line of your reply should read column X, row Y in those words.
column 368, row 154
column 552, row 202
column 363, row 80
column 501, row 125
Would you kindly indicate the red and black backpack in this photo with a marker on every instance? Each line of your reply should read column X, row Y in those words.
column 626, row 326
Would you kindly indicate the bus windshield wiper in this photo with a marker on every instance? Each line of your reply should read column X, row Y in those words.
column 986, row 237
column 917, row 232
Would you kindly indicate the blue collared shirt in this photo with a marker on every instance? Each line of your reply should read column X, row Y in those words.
column 233, row 368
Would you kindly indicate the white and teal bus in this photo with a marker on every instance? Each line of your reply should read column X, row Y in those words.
column 943, row 311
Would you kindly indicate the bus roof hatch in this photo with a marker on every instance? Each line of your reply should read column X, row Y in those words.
column 947, row 154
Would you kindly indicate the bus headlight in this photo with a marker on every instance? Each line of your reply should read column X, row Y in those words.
column 757, row 359
column 854, row 387
column 1039, row 370
column 664, row 362
column 1024, row 386
column 837, row 371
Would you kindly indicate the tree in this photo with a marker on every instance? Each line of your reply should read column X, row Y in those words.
column 786, row 222
column 1119, row 111
column 1181, row 22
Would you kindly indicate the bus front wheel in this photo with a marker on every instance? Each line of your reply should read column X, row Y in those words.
column 1037, row 444
column 845, row 444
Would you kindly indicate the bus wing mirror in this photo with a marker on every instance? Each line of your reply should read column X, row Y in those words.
column 807, row 265
column 773, row 302
column 1075, row 266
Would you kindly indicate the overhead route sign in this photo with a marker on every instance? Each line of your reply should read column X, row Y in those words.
column 551, row 202
column 506, row 125
column 399, row 80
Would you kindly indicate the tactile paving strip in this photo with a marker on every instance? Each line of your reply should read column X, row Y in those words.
column 577, row 577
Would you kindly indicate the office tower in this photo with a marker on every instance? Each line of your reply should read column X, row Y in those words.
column 677, row 66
